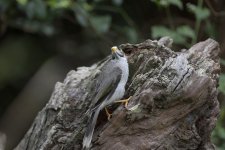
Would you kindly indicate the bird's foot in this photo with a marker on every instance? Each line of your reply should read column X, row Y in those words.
column 125, row 101
column 108, row 114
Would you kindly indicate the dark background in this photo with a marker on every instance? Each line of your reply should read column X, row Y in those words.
column 42, row 40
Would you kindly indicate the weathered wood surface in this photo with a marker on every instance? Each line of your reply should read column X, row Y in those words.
column 174, row 93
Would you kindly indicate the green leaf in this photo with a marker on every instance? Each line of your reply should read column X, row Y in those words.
column 162, row 3
column 167, row 3
column 59, row 3
column 179, row 36
column 221, row 133
column 35, row 26
column 100, row 23
column 22, row 2
column 210, row 29
column 160, row 31
column 200, row 13
column 186, row 31
column 179, row 39
column 47, row 30
column 81, row 15
column 177, row 3
column 131, row 34
column 222, row 83
column 117, row 2
column 36, row 9
column 222, row 62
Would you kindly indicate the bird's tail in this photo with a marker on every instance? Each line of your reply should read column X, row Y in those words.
column 90, row 129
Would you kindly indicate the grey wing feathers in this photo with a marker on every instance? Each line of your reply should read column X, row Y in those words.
column 106, row 84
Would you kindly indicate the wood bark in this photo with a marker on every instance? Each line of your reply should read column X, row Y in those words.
column 174, row 103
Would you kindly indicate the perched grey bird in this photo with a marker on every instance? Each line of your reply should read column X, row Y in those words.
column 111, row 87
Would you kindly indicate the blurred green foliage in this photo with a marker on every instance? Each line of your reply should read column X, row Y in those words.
column 168, row 3
column 38, row 16
column 218, row 135
column 182, row 34
column 222, row 83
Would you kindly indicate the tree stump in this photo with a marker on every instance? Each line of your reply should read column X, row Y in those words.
column 174, row 103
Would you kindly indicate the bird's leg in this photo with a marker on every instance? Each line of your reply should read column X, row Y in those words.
column 108, row 114
column 125, row 101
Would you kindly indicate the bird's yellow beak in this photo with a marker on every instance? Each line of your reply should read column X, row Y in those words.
column 114, row 49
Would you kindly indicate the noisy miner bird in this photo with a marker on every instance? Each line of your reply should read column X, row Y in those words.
column 110, row 88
